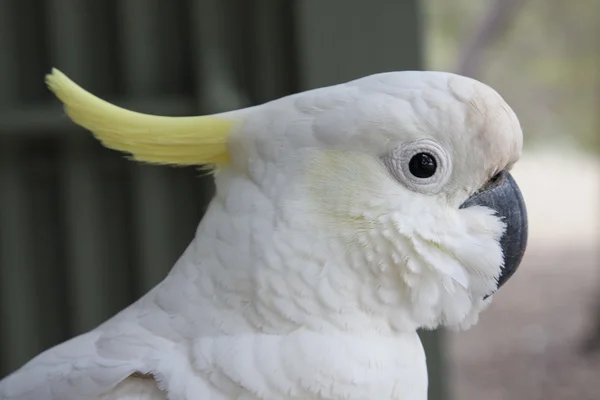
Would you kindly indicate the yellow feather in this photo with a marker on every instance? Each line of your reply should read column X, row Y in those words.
column 148, row 138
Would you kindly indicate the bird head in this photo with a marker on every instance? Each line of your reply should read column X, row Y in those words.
column 394, row 190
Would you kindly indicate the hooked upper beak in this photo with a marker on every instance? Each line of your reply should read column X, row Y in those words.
column 502, row 195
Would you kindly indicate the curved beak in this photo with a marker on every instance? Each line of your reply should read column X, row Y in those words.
column 502, row 195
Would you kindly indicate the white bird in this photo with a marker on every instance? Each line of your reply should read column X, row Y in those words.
column 345, row 218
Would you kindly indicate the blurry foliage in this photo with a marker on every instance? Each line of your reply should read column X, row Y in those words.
column 546, row 63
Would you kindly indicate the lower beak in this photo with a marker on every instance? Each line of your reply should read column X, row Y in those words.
column 502, row 195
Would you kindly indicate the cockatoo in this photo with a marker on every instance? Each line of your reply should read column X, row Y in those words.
column 345, row 218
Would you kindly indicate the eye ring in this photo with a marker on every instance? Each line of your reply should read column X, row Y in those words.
column 422, row 166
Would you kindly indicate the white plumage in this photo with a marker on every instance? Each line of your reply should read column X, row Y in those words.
column 315, row 263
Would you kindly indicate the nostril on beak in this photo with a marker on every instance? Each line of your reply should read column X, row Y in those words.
column 496, row 180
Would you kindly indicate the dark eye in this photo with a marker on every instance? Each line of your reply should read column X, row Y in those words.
column 422, row 165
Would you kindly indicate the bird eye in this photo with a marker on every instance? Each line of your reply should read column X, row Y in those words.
column 422, row 165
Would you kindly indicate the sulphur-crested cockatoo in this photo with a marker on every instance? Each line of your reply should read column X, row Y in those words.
column 344, row 219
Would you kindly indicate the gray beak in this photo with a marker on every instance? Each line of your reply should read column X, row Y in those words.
column 502, row 195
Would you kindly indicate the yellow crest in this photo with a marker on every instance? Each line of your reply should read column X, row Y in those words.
column 148, row 138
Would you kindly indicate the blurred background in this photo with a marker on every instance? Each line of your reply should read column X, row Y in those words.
column 83, row 233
